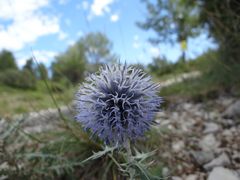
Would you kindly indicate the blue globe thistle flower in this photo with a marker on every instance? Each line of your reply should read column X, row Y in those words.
column 118, row 103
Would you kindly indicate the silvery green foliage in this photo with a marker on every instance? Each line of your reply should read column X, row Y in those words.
column 118, row 103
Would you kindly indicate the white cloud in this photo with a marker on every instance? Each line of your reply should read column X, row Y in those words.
column 10, row 9
column 62, row 35
column 27, row 23
column 71, row 42
column 42, row 56
column 99, row 7
column 63, row 2
column 154, row 51
column 114, row 18
column 136, row 43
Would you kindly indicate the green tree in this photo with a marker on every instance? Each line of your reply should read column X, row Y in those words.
column 87, row 53
column 71, row 64
column 223, row 21
column 7, row 61
column 18, row 79
column 42, row 72
column 172, row 20
column 98, row 47
column 160, row 66
column 29, row 65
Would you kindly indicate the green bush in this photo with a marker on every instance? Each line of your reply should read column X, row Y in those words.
column 57, row 87
column 160, row 66
column 223, row 21
column 18, row 79
column 7, row 61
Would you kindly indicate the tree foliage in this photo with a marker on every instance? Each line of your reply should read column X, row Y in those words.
column 88, row 52
column 160, row 66
column 172, row 20
column 223, row 21
column 97, row 47
column 18, row 79
column 10, row 75
column 29, row 65
column 71, row 64
column 7, row 60
column 42, row 72
column 97, row 50
column 177, row 20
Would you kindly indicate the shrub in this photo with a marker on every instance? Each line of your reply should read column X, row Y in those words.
column 160, row 66
column 18, row 79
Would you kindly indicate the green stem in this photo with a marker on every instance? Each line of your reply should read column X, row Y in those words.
column 129, row 151
column 130, row 159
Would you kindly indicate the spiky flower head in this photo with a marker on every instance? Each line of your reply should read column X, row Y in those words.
column 118, row 103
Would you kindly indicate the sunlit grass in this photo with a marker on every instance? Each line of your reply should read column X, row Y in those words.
column 16, row 101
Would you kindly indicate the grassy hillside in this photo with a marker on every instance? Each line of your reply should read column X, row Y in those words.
column 217, row 78
column 14, row 101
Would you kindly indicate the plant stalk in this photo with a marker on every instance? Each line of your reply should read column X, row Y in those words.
column 130, row 160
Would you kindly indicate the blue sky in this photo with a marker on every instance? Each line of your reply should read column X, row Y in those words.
column 47, row 27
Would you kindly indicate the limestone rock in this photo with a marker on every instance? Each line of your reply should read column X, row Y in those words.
column 209, row 143
column 202, row 157
column 222, row 160
column 178, row 146
column 192, row 177
column 220, row 173
column 233, row 110
column 176, row 178
column 211, row 128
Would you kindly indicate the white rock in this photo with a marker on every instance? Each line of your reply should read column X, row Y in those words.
column 228, row 122
column 209, row 143
column 202, row 157
column 199, row 113
column 225, row 101
column 238, row 172
column 2, row 177
column 4, row 165
column 220, row 173
column 3, row 125
column 227, row 132
column 192, row 177
column 165, row 122
column 161, row 115
column 175, row 116
column 176, row 178
column 222, row 160
column 233, row 110
column 178, row 146
column 165, row 172
column 214, row 115
column 187, row 106
column 186, row 126
column 211, row 128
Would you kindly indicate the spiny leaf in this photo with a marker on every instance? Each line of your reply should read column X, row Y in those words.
column 100, row 153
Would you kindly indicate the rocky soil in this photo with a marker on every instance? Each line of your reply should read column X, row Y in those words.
column 41, row 121
column 202, row 140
